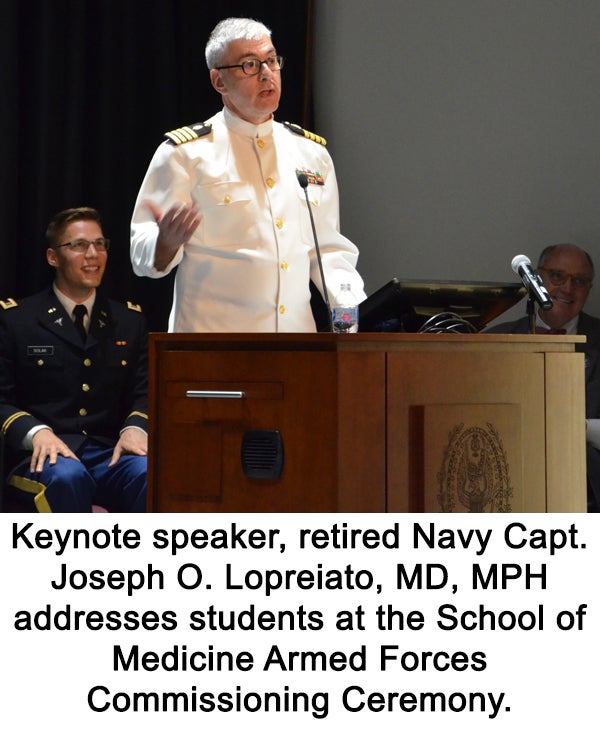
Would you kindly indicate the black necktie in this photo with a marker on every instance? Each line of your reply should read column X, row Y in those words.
column 79, row 312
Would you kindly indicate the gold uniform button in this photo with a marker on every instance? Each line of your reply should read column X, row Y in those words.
column 124, row 363
column 279, row 223
column 281, row 309
column 85, row 387
column 40, row 362
column 227, row 199
column 260, row 143
column 87, row 362
column 82, row 412
column 270, row 182
column 284, row 265
column 316, row 202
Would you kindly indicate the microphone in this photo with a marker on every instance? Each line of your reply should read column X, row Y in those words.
column 303, row 181
column 521, row 264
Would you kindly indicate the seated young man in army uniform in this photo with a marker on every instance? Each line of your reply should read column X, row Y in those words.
column 73, row 383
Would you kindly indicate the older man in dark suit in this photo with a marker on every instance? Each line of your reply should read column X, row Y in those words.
column 73, row 383
column 568, row 274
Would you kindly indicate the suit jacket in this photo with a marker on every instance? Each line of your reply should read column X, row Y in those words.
column 49, row 376
column 588, row 326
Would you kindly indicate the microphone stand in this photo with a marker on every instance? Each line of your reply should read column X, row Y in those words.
column 531, row 312
column 303, row 181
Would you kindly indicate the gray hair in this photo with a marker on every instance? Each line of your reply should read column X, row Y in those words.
column 229, row 30
column 550, row 249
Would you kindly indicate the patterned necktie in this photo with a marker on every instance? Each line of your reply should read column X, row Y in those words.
column 542, row 330
column 79, row 313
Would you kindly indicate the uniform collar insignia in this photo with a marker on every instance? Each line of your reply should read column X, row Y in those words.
column 59, row 320
column 314, row 177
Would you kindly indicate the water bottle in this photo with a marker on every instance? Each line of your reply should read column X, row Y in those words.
column 345, row 311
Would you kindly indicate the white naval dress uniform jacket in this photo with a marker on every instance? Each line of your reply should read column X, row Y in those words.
column 247, row 266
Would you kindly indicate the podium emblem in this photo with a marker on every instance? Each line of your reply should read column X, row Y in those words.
column 475, row 473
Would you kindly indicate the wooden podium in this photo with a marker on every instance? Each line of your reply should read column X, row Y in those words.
column 366, row 423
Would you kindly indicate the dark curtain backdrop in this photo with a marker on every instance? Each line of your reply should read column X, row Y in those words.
column 89, row 88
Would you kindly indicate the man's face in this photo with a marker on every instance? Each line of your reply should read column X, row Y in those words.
column 253, row 98
column 569, row 264
column 78, row 273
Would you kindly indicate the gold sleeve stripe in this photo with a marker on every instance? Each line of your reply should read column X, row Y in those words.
column 12, row 418
column 137, row 412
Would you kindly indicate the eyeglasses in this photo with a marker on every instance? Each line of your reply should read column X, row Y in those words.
column 559, row 277
column 252, row 67
column 81, row 246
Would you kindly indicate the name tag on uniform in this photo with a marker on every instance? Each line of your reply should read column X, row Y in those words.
column 40, row 351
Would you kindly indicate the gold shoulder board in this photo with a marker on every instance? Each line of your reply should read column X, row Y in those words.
column 305, row 133
column 188, row 133
column 9, row 303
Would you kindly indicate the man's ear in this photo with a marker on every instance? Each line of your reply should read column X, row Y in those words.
column 216, row 79
column 51, row 257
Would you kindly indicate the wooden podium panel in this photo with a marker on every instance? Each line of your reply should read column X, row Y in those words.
column 208, row 396
column 366, row 423
column 532, row 461
column 565, row 432
column 489, row 450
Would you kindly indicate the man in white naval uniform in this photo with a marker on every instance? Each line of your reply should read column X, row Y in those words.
column 222, row 202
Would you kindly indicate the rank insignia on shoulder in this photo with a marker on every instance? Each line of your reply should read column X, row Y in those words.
column 305, row 133
column 187, row 133
column 9, row 303
column 313, row 177
column 134, row 306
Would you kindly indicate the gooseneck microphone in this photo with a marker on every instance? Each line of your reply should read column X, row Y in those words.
column 303, row 181
column 521, row 264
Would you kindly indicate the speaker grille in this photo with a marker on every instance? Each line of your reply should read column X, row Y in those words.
column 262, row 454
